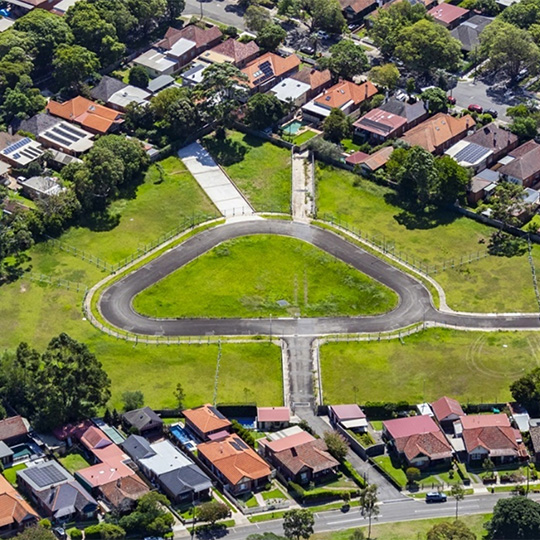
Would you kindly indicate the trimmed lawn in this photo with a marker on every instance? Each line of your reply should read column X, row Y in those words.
column 74, row 462
column 408, row 530
column 472, row 367
column 250, row 502
column 496, row 284
column 385, row 462
column 11, row 474
column 272, row 495
column 264, row 173
column 304, row 137
column 229, row 281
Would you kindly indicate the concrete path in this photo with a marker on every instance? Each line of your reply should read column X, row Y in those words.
column 217, row 185
column 302, row 187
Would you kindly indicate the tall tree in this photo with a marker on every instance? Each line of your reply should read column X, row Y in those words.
column 386, row 76
column 515, row 518
column 325, row 15
column 23, row 100
column 337, row 126
column 263, row 110
column 453, row 180
column 346, row 59
column 73, row 64
column 526, row 391
column 337, row 445
column 180, row 396
column 257, row 18
column 450, row 531
column 298, row 524
column 436, row 99
column 175, row 8
column 458, row 493
column 368, row 504
column 270, row 37
column 138, row 76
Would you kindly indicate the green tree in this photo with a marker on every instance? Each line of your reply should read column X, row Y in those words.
column 212, row 512
column 436, row 99
column 385, row 76
column 489, row 8
column 337, row 126
column 290, row 8
column 326, row 150
column 180, row 395
column 515, row 518
column 458, row 493
column 453, row 180
column 413, row 474
column 507, row 198
column 357, row 534
column 263, row 110
column 22, row 101
column 298, row 524
column 175, row 8
column 525, row 121
column 138, row 76
column 368, row 504
column 346, row 59
column 147, row 12
column 337, row 445
column 73, row 64
column 257, row 17
column 37, row 532
column 450, row 531
column 270, row 37
column 522, row 14
column 325, row 15
column 427, row 45
column 150, row 516
column 526, row 391
column 57, row 211
column 133, row 399
column 118, row 14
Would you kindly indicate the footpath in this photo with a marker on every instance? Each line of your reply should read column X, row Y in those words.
column 303, row 195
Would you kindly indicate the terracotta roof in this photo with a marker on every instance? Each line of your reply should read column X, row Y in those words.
column 13, row 508
column 201, row 37
column 438, row 130
column 345, row 91
column 104, row 473
column 206, row 418
column 380, row 122
column 484, row 420
column 313, row 455
column 87, row 113
column 348, row 412
column 273, row 414
column 379, row 158
column 130, row 487
column 433, row 445
column 357, row 6
column 313, row 77
column 234, row 459
column 412, row 425
column 278, row 67
column 235, row 50
column 287, row 442
column 447, row 13
column 498, row 440
column 445, row 406
column 356, row 158
column 15, row 426
column 527, row 162
column 93, row 438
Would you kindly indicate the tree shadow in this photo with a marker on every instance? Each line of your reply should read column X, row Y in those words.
column 209, row 532
column 225, row 151
column 101, row 221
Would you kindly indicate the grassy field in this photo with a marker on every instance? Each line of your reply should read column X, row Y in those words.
column 408, row 530
column 263, row 175
column 469, row 366
column 246, row 277
column 491, row 284
column 10, row 474
column 74, row 462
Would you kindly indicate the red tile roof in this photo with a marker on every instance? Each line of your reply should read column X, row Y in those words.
column 206, row 418
column 130, row 488
column 343, row 92
column 445, row 406
column 433, row 445
column 484, row 420
column 235, row 50
column 315, row 78
column 93, row 438
column 527, row 162
column 279, row 65
column 412, row 425
column 201, row 37
column 273, row 414
column 447, row 13
column 287, row 442
column 12, row 427
column 378, row 159
column 348, row 412
column 13, row 508
column 498, row 440
column 313, row 455
column 380, row 122
column 356, row 158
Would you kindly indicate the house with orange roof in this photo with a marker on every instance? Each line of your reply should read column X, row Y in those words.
column 318, row 81
column 206, row 422
column 235, row 464
column 15, row 512
column 232, row 51
column 447, row 411
column 269, row 69
column 92, row 116
column 439, row 132
column 344, row 95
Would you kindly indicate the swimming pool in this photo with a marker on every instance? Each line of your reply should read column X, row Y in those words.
column 293, row 127
column 183, row 436
column 21, row 451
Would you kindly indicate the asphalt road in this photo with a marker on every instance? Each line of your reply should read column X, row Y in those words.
column 414, row 306
column 223, row 11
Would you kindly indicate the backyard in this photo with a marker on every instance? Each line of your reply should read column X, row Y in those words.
column 497, row 284
column 230, row 281
column 74, row 462
column 472, row 367
column 260, row 169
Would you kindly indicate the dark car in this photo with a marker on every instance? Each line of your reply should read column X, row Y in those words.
column 452, row 100
column 435, row 496
column 475, row 108
column 492, row 112
column 307, row 49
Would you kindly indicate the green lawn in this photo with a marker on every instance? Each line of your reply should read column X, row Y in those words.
column 408, row 530
column 304, row 137
column 491, row 284
column 246, row 277
column 472, row 367
column 385, row 462
column 74, row 462
column 11, row 474
column 264, row 173
column 273, row 494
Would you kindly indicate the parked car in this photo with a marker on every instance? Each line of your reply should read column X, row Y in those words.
column 492, row 112
column 475, row 108
column 452, row 100
column 435, row 496
column 307, row 49
column 321, row 34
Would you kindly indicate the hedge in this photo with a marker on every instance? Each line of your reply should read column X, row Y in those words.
column 319, row 494
column 351, row 471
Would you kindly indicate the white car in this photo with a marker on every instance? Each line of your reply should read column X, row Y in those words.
column 321, row 34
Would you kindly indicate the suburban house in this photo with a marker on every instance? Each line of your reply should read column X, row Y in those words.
column 52, row 132
column 348, row 417
column 40, row 187
column 356, row 158
column 449, row 15
column 232, row 51
column 106, row 87
column 193, row 75
column 156, row 63
column 355, row 10
column 390, row 120
column 14, row 430
column 206, row 422
column 482, row 184
column 439, row 132
column 130, row 94
column 344, row 95
column 524, row 167
column 143, row 421
column 6, row 453
column 484, row 147
column 468, row 32
column 269, row 69
column 291, row 91
column 369, row 163
column 418, row 440
column 273, row 418
column 15, row 512
column 19, row 151
column 122, row 494
column 489, row 435
column 447, row 411
column 299, row 457
column 155, row 86
column 175, row 46
column 534, row 432
column 235, row 464
column 92, row 116
column 55, row 492
column 317, row 80
column 162, row 462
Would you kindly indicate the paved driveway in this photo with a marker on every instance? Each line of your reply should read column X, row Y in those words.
column 217, row 185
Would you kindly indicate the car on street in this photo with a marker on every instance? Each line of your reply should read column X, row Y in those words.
column 321, row 34
column 475, row 108
column 435, row 496
column 492, row 112
column 307, row 49
column 452, row 100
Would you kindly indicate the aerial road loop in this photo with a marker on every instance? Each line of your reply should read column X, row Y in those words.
column 415, row 303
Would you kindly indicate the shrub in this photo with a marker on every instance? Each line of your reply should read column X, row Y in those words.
column 351, row 471
column 413, row 474
column 75, row 534
column 46, row 523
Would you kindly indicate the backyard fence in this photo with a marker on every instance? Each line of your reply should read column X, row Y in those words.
column 56, row 282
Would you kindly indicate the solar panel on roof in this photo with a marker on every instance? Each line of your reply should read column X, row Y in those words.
column 241, row 444
column 471, row 153
column 45, row 476
column 217, row 413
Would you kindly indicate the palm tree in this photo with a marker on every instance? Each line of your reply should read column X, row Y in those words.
column 458, row 493
column 368, row 504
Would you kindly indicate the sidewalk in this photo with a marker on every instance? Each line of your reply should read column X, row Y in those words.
column 302, row 189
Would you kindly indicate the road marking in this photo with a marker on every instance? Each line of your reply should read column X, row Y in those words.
column 345, row 521
column 430, row 511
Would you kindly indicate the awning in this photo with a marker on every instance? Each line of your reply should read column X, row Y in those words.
column 21, row 4
column 218, row 436
column 358, row 423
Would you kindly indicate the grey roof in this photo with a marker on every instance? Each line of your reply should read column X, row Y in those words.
column 66, row 499
column 106, row 88
column 45, row 475
column 535, row 438
column 157, row 84
column 38, row 123
column 137, row 447
column 488, row 174
column 140, row 418
column 5, row 450
column 410, row 111
column 468, row 32
column 472, row 153
column 185, row 480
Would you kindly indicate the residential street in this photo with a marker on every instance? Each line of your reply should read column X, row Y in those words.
column 222, row 11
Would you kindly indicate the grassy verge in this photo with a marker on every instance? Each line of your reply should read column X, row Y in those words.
column 469, row 366
column 229, row 281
